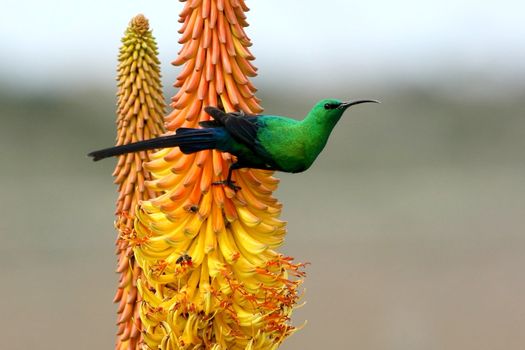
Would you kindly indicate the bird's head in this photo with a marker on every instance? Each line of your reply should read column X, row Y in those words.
column 330, row 110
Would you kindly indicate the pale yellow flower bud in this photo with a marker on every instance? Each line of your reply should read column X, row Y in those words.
column 139, row 116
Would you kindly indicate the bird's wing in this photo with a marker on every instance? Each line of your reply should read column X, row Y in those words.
column 219, row 116
column 242, row 127
column 211, row 124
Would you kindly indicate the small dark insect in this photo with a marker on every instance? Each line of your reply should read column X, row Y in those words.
column 194, row 208
column 184, row 259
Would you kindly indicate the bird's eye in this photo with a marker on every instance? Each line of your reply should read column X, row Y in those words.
column 330, row 105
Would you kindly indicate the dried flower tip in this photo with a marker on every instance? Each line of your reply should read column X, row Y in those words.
column 139, row 24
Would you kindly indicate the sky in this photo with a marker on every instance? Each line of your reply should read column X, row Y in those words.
column 67, row 42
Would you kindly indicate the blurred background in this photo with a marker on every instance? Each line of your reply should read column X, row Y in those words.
column 413, row 218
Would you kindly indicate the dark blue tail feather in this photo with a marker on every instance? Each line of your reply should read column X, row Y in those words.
column 194, row 140
column 187, row 139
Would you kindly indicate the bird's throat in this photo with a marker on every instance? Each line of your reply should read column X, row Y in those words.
column 320, row 125
column 316, row 129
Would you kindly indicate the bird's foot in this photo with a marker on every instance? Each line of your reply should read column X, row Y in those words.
column 230, row 184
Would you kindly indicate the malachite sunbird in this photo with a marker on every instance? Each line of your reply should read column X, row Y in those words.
column 266, row 142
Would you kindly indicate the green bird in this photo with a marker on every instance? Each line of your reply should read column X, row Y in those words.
column 266, row 142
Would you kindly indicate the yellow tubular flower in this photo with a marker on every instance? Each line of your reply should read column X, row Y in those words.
column 139, row 116
column 212, row 278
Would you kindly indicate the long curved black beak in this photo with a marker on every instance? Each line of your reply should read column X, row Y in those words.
column 345, row 105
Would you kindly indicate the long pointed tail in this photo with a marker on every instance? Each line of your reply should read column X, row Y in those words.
column 189, row 141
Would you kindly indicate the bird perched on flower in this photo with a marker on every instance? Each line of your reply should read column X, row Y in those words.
column 267, row 142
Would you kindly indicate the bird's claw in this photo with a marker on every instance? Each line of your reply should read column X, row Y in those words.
column 230, row 184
